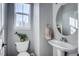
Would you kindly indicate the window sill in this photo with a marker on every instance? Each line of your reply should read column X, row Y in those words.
column 23, row 28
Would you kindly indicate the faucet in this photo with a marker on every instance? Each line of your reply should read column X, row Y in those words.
column 63, row 39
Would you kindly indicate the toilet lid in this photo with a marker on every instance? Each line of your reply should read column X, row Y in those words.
column 24, row 54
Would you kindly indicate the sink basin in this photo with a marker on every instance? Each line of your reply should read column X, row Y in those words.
column 63, row 46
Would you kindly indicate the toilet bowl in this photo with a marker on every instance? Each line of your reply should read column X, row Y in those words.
column 22, row 48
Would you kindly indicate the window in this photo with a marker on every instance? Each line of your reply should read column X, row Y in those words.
column 23, row 17
column 73, row 24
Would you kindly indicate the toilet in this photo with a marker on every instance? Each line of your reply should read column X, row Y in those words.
column 22, row 48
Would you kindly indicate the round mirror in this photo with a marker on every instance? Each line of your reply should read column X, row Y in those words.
column 67, row 17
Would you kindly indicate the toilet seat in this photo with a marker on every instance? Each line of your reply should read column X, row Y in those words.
column 24, row 54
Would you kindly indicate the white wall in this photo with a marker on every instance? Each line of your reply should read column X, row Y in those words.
column 36, row 29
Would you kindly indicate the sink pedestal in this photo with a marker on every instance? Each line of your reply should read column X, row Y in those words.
column 62, row 47
column 60, row 53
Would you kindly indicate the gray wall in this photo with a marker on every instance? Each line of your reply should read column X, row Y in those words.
column 45, row 18
column 11, row 49
column 5, row 27
column 42, row 17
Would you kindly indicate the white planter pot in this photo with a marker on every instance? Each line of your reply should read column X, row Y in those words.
column 22, row 46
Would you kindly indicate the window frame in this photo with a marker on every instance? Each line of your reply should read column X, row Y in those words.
column 22, row 28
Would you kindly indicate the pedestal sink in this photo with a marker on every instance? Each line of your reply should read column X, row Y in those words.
column 62, row 46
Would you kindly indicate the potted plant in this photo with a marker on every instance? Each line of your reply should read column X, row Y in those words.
column 23, row 37
column 23, row 44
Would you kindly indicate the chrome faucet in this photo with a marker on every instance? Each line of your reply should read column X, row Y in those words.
column 64, row 39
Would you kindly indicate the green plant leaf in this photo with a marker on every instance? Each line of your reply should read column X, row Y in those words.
column 23, row 37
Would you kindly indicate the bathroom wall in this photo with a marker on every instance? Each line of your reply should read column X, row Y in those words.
column 5, row 27
column 45, row 18
column 72, row 39
column 11, row 49
column 42, row 17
